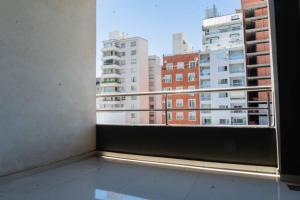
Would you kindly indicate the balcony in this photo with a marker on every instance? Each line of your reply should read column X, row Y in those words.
column 256, row 18
column 204, row 73
column 111, row 48
column 113, row 57
column 111, row 66
column 51, row 147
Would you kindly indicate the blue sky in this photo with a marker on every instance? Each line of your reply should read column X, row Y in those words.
column 156, row 20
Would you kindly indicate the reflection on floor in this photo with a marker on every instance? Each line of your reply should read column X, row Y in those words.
column 99, row 179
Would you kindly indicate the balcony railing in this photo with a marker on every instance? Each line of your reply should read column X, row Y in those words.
column 166, row 108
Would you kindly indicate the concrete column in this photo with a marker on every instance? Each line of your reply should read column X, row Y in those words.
column 47, row 81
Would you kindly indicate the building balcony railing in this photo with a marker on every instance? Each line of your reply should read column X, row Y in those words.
column 112, row 57
column 115, row 81
column 111, row 66
column 255, row 30
column 204, row 73
column 167, row 94
column 254, row 42
column 260, row 53
column 256, row 6
column 111, row 48
column 256, row 18
column 255, row 66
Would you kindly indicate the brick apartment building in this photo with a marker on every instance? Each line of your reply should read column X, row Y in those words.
column 257, row 42
column 181, row 72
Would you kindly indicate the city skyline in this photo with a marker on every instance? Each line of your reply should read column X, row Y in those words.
column 121, row 17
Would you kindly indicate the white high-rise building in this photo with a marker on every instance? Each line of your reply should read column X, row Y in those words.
column 181, row 44
column 222, row 65
column 124, row 69
column 223, row 32
column 155, row 117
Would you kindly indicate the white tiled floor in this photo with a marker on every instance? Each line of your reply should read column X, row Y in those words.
column 97, row 179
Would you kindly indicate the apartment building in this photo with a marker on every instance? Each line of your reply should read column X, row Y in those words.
column 98, row 88
column 124, row 69
column 155, row 117
column 257, row 42
column 181, row 72
column 222, row 65
column 181, row 44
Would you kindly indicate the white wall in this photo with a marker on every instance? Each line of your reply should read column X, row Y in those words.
column 47, row 81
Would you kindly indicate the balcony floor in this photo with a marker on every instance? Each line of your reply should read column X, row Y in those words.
column 99, row 179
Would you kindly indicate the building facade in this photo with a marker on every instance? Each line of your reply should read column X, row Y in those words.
column 181, row 44
column 257, row 42
column 222, row 65
column 155, row 117
column 124, row 69
column 181, row 72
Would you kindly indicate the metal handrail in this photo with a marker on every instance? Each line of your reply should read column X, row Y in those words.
column 179, row 109
column 202, row 90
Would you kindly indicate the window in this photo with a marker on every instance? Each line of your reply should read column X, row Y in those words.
column 179, row 88
column 123, row 62
column 192, row 103
column 238, row 106
column 223, row 121
column 236, row 55
column 123, row 45
column 204, row 71
column 168, row 79
column 123, row 53
column 237, row 95
column 212, row 40
column 133, row 52
column 236, row 68
column 169, row 66
column 238, row 121
column 205, row 106
column 192, row 116
column 223, row 106
column 236, row 27
column 179, row 116
column 223, row 95
column 133, row 98
column 107, row 44
column 191, row 76
column 205, row 58
column 206, row 120
column 133, row 115
column 192, row 65
column 179, row 77
column 205, row 96
column 133, row 79
column 169, row 115
column 205, row 83
column 133, row 88
column 133, row 61
column 133, row 44
column 235, row 35
column 180, row 65
column 179, row 103
column 235, row 82
column 223, row 81
column 169, row 103
column 167, row 89
column 222, row 69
